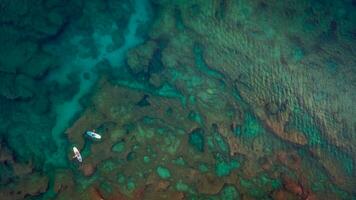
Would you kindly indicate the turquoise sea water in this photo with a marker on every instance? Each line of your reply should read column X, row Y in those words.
column 193, row 99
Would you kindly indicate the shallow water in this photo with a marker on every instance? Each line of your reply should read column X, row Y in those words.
column 66, row 111
column 193, row 99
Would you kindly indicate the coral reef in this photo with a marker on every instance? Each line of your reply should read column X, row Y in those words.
column 213, row 99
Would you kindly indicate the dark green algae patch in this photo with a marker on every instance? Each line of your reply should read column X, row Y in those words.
column 209, row 100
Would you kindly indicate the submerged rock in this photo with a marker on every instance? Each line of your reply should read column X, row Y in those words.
column 16, row 87
column 118, row 147
column 131, row 156
column 156, row 80
column 162, row 185
column 139, row 58
column 293, row 136
column 63, row 181
column 88, row 169
column 39, row 64
column 209, row 184
column 283, row 195
column 292, row 186
column 27, row 186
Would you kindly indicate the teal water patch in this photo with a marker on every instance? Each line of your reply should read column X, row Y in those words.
column 298, row 54
column 144, row 101
column 250, row 129
column 252, row 126
column 118, row 147
column 190, row 80
column 146, row 159
column 156, row 65
column 121, row 178
column 179, row 21
column 180, row 186
column 203, row 167
column 229, row 192
column 332, row 66
column 197, row 140
column 163, row 172
column 168, row 90
column 131, row 185
column 106, row 187
column 237, row 131
column 179, row 161
column 196, row 117
column 223, row 166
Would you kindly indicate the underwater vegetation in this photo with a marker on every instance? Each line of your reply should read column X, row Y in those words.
column 199, row 99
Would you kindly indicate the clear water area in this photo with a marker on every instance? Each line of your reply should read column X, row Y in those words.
column 193, row 99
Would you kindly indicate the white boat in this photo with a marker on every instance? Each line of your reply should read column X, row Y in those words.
column 93, row 134
column 77, row 154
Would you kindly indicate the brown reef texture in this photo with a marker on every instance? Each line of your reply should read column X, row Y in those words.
column 245, row 66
